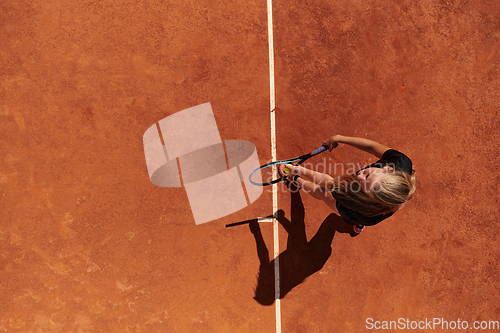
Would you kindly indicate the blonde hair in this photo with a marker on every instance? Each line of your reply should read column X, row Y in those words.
column 393, row 190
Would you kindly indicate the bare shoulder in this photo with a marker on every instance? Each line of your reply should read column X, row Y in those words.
column 379, row 149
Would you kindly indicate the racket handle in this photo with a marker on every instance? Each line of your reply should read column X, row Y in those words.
column 319, row 150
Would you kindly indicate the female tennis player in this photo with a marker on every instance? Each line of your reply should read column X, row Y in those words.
column 366, row 197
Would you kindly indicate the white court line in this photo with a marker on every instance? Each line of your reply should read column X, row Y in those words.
column 273, row 156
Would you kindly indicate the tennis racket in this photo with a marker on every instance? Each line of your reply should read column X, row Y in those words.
column 299, row 160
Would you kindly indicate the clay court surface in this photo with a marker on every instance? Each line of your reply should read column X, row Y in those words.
column 89, row 244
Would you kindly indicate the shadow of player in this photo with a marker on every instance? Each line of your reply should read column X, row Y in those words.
column 301, row 258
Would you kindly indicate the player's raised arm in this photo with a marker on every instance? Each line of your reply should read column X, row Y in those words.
column 367, row 145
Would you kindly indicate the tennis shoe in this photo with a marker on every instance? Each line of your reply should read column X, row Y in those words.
column 358, row 229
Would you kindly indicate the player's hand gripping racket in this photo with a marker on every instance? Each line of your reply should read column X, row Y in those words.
column 299, row 160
